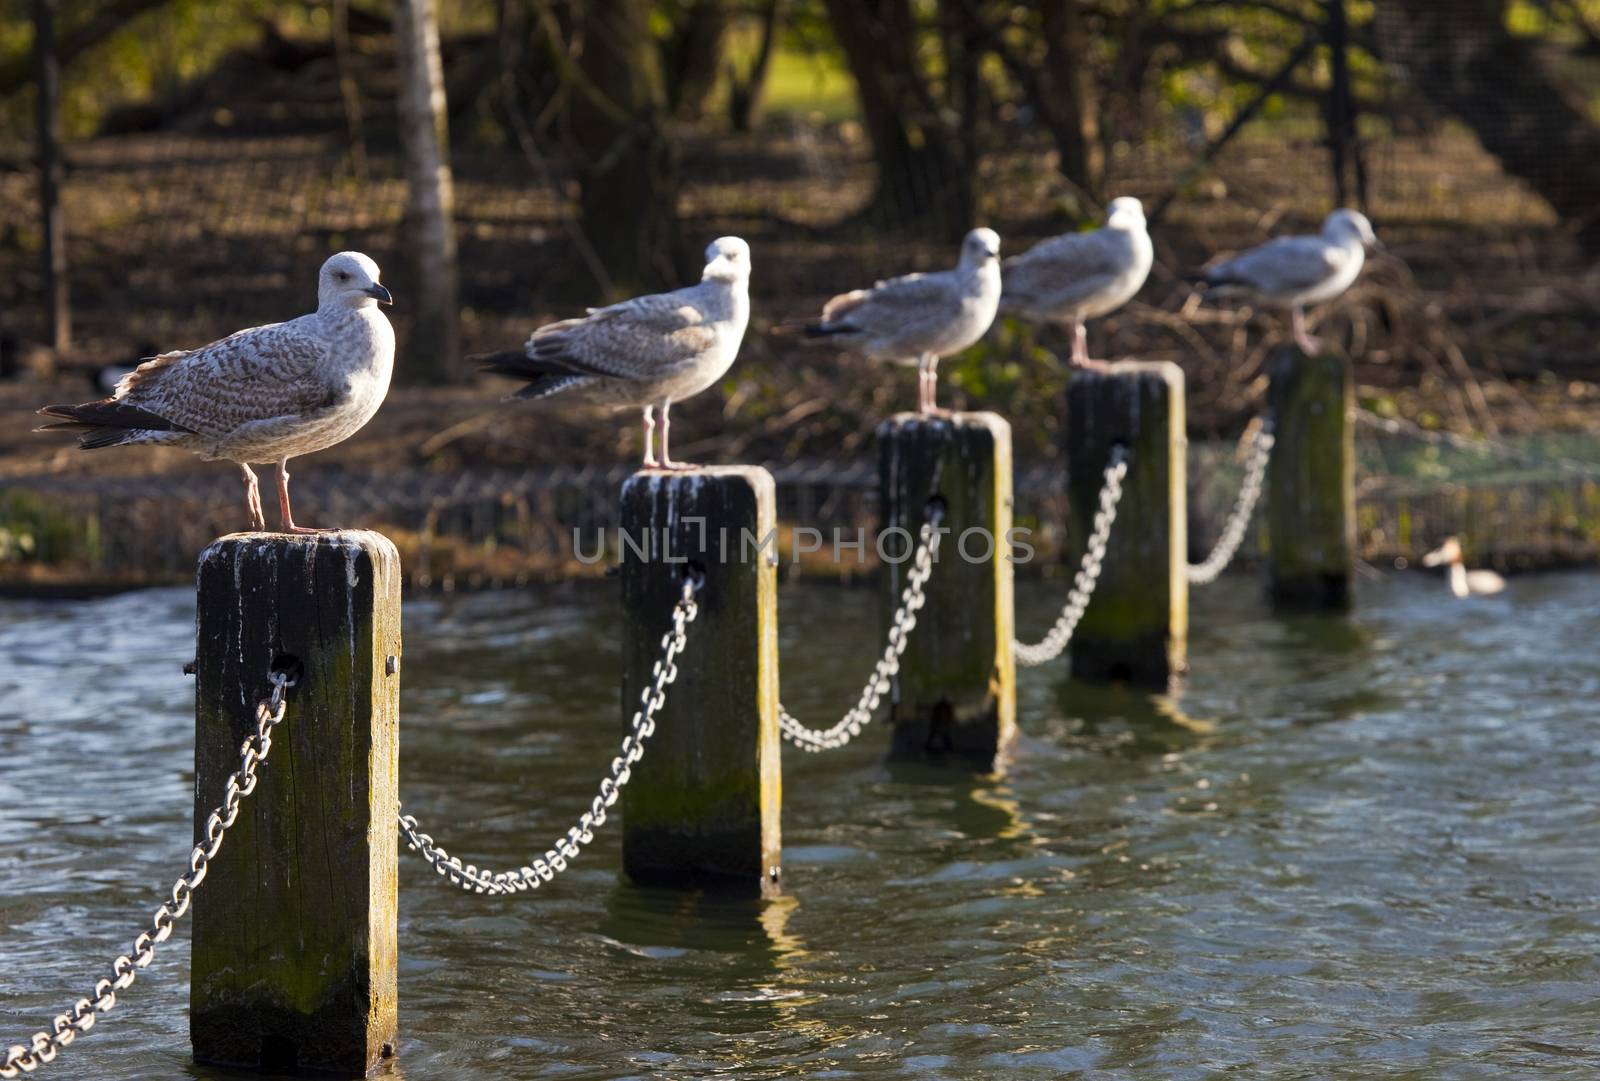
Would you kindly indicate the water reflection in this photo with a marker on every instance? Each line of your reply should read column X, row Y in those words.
column 1345, row 846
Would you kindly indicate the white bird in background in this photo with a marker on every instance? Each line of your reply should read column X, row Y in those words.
column 1078, row 276
column 266, row 394
column 644, row 353
column 1294, row 271
column 1463, row 583
column 918, row 318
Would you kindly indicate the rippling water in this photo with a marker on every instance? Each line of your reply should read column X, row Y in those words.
column 1350, row 849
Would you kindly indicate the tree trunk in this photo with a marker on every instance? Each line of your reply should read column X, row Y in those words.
column 1461, row 56
column 1067, row 93
column 629, row 197
column 47, row 68
column 434, row 352
column 744, row 97
column 692, row 56
column 922, row 183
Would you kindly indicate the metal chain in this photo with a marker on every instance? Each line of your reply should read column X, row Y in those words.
column 1094, row 556
column 555, row 860
column 1202, row 574
column 66, row 1027
column 912, row 598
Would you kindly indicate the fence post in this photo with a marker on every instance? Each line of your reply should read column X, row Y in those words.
column 702, row 808
column 956, row 692
column 1311, row 481
column 1137, row 625
column 294, row 931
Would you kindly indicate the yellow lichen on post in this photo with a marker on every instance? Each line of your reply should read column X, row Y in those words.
column 295, row 948
column 1137, row 624
column 1311, row 481
column 955, row 694
column 702, row 808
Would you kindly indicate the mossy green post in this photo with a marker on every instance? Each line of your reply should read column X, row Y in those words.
column 1137, row 625
column 294, row 928
column 1311, row 502
column 956, row 693
column 702, row 807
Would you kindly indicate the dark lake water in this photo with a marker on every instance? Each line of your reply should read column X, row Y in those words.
column 1352, row 848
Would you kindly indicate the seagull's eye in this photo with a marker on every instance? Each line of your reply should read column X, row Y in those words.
column 342, row 276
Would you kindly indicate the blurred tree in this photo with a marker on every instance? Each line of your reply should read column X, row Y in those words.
column 691, row 54
column 744, row 94
column 1066, row 100
column 924, row 147
column 434, row 345
column 1461, row 56
column 628, row 168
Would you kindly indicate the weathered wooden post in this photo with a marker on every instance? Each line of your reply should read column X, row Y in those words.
column 1137, row 624
column 1311, row 518
column 702, row 808
column 956, row 693
column 294, row 930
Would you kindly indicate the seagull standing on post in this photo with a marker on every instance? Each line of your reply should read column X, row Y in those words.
column 1294, row 271
column 644, row 353
column 266, row 394
column 1078, row 276
column 918, row 318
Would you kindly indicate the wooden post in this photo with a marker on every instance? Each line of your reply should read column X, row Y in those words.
column 702, row 807
column 47, row 82
column 294, row 929
column 1137, row 623
column 956, row 693
column 1311, row 516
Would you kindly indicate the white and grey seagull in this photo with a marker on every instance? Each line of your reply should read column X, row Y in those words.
column 918, row 318
column 266, row 394
column 644, row 353
column 1294, row 271
column 1078, row 276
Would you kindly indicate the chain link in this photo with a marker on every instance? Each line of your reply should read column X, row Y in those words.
column 1094, row 557
column 912, row 598
column 556, row 859
column 25, row 1059
column 1202, row 574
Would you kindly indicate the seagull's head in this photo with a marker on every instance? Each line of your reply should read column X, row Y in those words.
column 350, row 280
column 1350, row 224
column 727, row 260
column 1125, row 212
column 980, row 248
column 1447, row 553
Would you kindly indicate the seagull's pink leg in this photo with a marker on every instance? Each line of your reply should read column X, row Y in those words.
column 666, row 431
column 928, row 385
column 252, row 498
column 650, row 438
column 1080, row 349
column 285, row 516
column 1308, row 345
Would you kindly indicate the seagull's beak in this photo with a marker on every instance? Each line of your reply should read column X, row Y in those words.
column 379, row 293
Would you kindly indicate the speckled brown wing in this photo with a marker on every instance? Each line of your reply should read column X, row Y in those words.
column 262, row 374
column 638, row 339
column 1062, row 270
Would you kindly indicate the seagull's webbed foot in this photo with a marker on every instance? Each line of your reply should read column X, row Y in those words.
column 1087, row 364
column 676, row 466
column 650, row 462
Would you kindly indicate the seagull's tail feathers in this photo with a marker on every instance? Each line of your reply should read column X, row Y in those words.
column 545, row 385
column 821, row 332
column 110, row 423
column 506, row 362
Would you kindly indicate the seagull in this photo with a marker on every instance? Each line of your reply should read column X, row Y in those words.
column 266, row 394
column 1294, row 271
column 644, row 353
column 918, row 318
column 1078, row 276
column 1463, row 583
